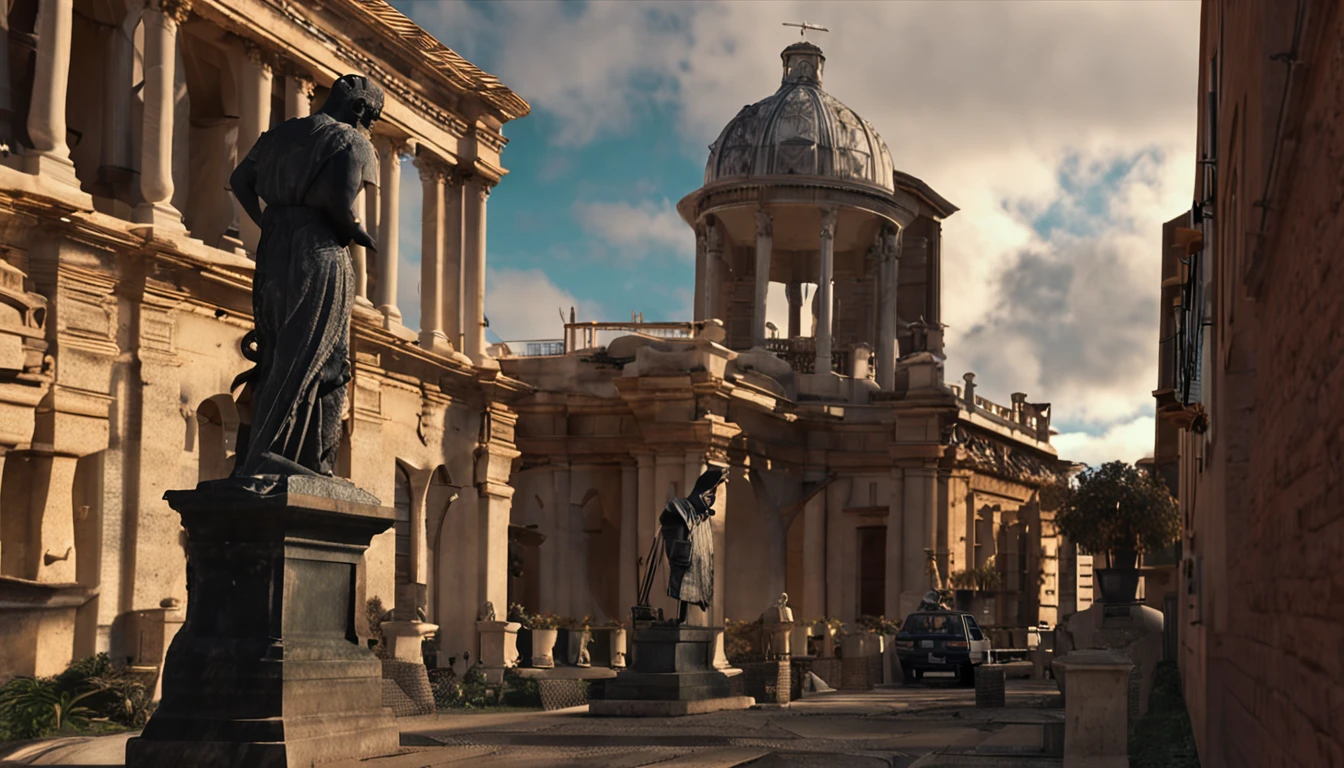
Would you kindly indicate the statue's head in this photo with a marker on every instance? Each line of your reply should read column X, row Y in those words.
column 706, row 486
column 355, row 100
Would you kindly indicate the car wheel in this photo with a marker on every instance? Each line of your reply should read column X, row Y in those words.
column 907, row 674
column 919, row 674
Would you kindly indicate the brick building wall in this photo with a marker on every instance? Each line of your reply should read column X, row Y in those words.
column 1262, row 622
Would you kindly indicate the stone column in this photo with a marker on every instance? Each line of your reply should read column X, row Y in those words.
column 255, row 105
column 920, row 527
column 6, row 97
column 359, row 257
column 701, row 272
column 51, row 76
column 713, row 267
column 431, row 253
column 369, row 205
column 825, row 299
column 628, row 569
column 454, row 232
column 298, row 96
column 389, row 162
column 161, row 18
column 889, row 254
column 115, row 167
column 794, row 294
column 764, row 241
column 476, row 190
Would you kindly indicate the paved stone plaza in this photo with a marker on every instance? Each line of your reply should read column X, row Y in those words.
column 928, row 726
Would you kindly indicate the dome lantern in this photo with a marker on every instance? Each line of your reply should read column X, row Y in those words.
column 803, row 63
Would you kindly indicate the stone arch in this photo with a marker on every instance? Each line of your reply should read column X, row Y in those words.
column 216, row 437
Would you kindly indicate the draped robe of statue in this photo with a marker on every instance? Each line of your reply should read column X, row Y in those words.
column 303, row 294
column 689, row 540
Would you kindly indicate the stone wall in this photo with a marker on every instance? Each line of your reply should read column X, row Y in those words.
column 1263, row 613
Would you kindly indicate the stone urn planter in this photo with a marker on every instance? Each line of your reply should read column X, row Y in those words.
column 543, row 645
column 1119, row 583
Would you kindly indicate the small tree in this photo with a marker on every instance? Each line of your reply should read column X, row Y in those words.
column 1117, row 508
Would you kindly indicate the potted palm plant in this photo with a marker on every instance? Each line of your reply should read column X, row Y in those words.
column 1120, row 512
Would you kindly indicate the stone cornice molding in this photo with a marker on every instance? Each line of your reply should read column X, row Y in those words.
column 764, row 224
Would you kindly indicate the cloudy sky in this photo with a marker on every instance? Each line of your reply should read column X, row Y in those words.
column 1063, row 130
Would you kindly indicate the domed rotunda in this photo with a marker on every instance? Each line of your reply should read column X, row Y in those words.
column 799, row 189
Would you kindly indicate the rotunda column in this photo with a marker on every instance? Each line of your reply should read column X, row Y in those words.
column 764, row 242
column 825, row 299
column 889, row 254
column 701, row 271
column 713, row 260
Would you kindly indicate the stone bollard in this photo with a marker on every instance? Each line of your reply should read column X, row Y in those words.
column 990, row 687
column 1096, row 703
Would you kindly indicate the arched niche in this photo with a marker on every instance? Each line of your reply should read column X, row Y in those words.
column 217, row 422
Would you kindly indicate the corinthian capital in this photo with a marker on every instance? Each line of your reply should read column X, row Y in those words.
column 764, row 224
column 431, row 169
column 258, row 56
column 827, row 223
column 177, row 10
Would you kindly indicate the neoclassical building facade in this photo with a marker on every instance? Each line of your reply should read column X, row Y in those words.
column 859, row 479
column 125, row 278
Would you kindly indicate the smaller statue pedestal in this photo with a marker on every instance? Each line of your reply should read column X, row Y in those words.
column 499, row 648
column 267, row 671
column 670, row 675
column 406, row 639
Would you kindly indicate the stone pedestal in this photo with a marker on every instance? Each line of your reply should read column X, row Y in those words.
column 499, row 647
column 406, row 639
column 671, row 674
column 267, row 670
column 1096, row 724
column 1131, row 629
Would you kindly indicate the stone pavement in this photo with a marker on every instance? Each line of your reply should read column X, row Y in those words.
column 930, row 725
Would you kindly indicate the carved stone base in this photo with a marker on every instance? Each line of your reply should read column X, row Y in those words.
column 671, row 673
column 267, row 671
column 160, row 216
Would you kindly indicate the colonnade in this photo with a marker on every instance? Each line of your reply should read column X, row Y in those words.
column 453, row 217
column 886, row 250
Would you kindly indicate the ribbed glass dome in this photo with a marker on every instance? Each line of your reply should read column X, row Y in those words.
column 800, row 130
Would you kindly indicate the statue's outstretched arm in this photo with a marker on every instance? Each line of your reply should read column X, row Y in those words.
column 243, row 182
column 342, row 180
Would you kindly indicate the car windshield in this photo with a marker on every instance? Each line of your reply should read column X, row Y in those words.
column 933, row 624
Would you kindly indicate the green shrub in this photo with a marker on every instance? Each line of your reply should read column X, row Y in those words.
column 89, row 689
column 520, row 691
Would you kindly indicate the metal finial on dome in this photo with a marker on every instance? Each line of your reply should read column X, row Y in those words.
column 804, row 26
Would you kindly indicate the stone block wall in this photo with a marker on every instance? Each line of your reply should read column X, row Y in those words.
column 1262, row 620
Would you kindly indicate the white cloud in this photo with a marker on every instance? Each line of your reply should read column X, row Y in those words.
column 1127, row 441
column 525, row 304
column 637, row 229
column 986, row 101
